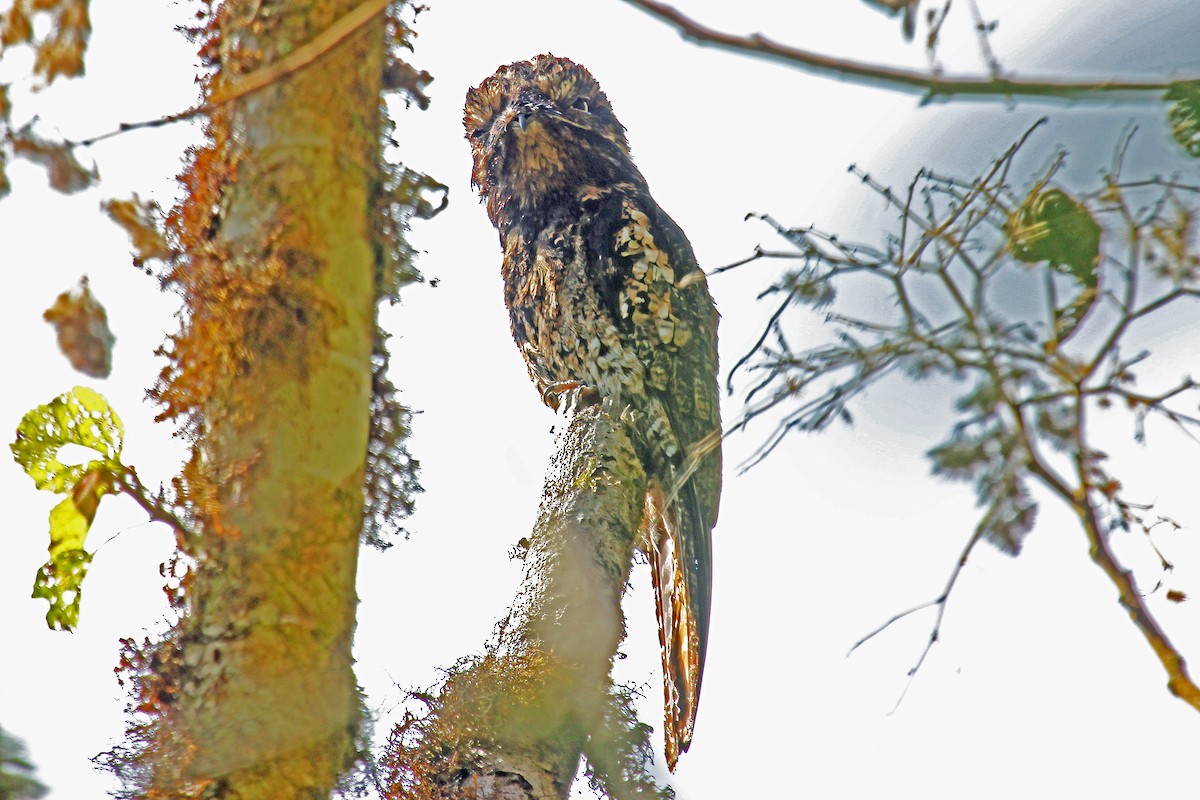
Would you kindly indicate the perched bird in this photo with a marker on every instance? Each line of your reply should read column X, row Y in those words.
column 603, row 292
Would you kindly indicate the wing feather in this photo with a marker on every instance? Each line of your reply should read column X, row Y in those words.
column 685, row 487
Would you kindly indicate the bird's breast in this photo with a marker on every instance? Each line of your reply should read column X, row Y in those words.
column 560, row 321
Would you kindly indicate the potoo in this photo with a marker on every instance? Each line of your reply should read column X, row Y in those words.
column 603, row 292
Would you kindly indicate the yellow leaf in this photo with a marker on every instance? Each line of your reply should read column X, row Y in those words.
column 60, row 580
column 80, row 416
column 68, row 527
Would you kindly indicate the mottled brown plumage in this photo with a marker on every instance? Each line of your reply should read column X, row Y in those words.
column 603, row 289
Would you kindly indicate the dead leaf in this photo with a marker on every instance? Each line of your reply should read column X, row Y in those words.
column 140, row 220
column 66, row 174
column 83, row 333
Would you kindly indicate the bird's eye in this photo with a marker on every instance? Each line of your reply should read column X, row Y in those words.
column 581, row 104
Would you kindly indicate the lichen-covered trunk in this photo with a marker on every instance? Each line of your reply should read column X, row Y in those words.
column 283, row 284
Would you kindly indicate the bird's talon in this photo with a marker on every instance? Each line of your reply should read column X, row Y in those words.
column 554, row 393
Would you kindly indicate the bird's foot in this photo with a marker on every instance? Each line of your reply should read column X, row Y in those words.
column 576, row 394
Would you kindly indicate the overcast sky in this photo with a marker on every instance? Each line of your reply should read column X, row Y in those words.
column 1039, row 687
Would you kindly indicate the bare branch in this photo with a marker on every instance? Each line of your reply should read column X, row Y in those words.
column 770, row 326
column 930, row 86
column 759, row 253
column 1179, row 681
column 521, row 715
column 1024, row 393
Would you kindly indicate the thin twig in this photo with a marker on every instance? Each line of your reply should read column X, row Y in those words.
column 985, row 46
column 887, row 194
column 1156, row 182
column 771, row 323
column 264, row 76
column 941, row 601
column 759, row 252
column 939, row 233
column 1179, row 682
column 157, row 511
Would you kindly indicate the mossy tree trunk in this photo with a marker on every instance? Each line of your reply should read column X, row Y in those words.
column 273, row 368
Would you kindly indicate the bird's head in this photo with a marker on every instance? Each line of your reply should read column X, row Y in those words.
column 540, row 131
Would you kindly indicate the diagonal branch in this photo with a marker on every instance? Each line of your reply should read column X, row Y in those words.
column 932, row 87
column 515, row 722
column 1179, row 681
column 307, row 53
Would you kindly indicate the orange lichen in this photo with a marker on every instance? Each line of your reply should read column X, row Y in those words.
column 140, row 219
column 238, row 315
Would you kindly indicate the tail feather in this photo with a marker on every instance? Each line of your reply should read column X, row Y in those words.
column 679, row 549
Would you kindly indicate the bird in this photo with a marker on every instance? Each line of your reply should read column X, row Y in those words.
column 604, row 292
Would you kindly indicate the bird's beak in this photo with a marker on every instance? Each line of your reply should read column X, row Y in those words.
column 526, row 116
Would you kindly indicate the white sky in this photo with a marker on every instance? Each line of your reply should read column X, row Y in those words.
column 1039, row 687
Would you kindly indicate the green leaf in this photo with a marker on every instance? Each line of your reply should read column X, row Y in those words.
column 984, row 397
column 1010, row 515
column 60, row 580
column 1185, row 115
column 812, row 287
column 81, row 417
column 1056, row 423
column 1052, row 226
column 960, row 458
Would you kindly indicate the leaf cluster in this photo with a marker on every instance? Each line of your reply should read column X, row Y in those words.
column 80, row 418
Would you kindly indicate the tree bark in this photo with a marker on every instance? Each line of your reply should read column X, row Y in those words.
column 514, row 723
column 281, row 293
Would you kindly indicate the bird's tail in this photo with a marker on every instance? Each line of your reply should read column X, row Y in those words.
column 679, row 549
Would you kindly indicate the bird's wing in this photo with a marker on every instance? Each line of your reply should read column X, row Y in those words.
column 663, row 301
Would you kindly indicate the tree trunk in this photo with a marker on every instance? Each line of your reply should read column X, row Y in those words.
column 274, row 359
